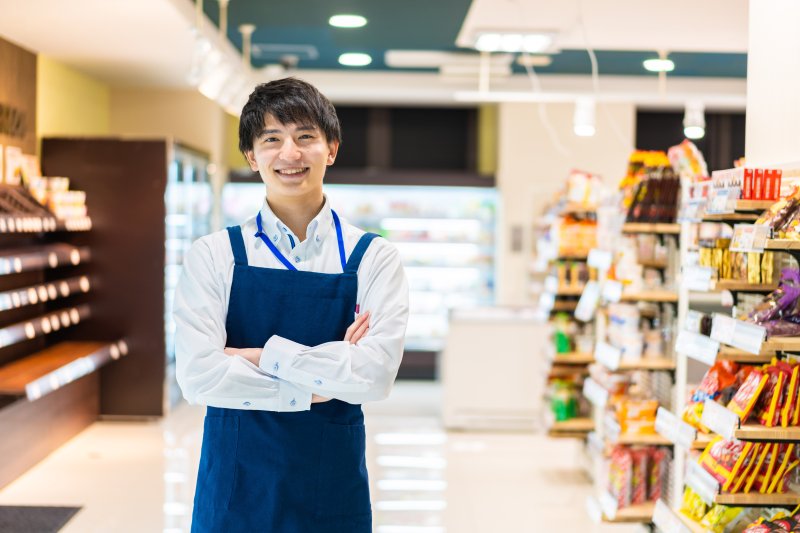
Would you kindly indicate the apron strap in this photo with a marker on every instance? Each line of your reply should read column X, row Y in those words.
column 237, row 245
column 339, row 240
column 274, row 249
column 358, row 252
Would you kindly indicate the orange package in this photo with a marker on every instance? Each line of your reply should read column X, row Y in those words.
column 748, row 394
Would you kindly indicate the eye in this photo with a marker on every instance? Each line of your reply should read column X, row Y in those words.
column 270, row 139
column 306, row 136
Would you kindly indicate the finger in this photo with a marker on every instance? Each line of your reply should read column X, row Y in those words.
column 354, row 326
column 359, row 333
column 230, row 351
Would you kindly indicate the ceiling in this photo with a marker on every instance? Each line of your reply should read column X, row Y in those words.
column 152, row 42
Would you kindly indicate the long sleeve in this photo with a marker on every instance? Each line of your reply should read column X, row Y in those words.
column 354, row 373
column 205, row 373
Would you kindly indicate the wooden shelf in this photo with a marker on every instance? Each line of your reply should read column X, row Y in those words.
column 43, row 325
column 645, row 227
column 42, row 257
column 758, row 432
column 43, row 372
column 731, row 217
column 579, row 256
column 650, row 296
column 34, row 294
column 642, row 440
column 575, row 428
column 654, row 264
column 759, row 500
column 782, row 244
column 635, row 513
column 27, row 224
column 573, row 358
column 647, row 363
column 753, row 205
column 743, row 286
column 569, row 291
column 702, row 440
column 769, row 348
column 690, row 524
column 565, row 305
column 567, row 371
column 576, row 208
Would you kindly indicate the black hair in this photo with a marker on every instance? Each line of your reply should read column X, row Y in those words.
column 290, row 101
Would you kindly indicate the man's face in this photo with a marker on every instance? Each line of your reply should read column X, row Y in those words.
column 291, row 158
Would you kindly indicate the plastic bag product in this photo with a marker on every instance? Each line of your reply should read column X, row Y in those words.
column 719, row 517
column 783, row 328
column 751, row 462
column 718, row 378
column 620, row 475
column 779, row 300
column 780, row 211
column 723, row 458
column 756, row 470
column 659, row 467
column 763, row 478
column 790, row 398
column 784, row 458
column 771, row 396
column 693, row 505
column 639, row 476
column 748, row 394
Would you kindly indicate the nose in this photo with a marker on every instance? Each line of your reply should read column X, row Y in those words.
column 289, row 150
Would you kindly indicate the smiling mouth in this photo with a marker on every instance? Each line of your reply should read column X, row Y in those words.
column 291, row 172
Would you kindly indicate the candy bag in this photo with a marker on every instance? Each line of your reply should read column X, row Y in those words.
column 778, row 300
column 718, row 517
column 723, row 458
column 748, row 394
column 790, row 398
column 693, row 505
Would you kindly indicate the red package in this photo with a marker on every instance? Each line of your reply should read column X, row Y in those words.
column 790, row 397
column 776, row 183
column 746, row 398
column 769, row 412
column 619, row 476
column 758, row 184
column 747, row 188
column 639, row 477
column 659, row 468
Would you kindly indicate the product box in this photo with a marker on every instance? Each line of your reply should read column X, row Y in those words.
column 758, row 182
column 747, row 186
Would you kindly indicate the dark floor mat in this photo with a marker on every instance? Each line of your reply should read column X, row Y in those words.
column 30, row 519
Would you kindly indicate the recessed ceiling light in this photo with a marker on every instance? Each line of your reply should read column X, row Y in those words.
column 355, row 59
column 659, row 65
column 347, row 21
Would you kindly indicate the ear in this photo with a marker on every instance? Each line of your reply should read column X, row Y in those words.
column 333, row 149
column 251, row 159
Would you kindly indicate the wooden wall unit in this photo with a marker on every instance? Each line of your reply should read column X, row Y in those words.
column 17, row 97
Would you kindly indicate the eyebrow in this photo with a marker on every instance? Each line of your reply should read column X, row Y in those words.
column 274, row 131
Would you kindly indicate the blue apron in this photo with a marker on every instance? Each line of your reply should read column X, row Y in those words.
column 263, row 471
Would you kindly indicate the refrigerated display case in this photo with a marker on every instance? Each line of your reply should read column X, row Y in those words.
column 445, row 236
column 189, row 200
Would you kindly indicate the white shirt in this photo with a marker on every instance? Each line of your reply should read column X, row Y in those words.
column 288, row 372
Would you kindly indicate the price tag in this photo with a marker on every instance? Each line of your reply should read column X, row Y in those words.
column 702, row 482
column 742, row 335
column 546, row 301
column 596, row 394
column 698, row 278
column 697, row 346
column 607, row 355
column 600, row 259
column 546, row 249
column 666, row 521
column 593, row 510
column 693, row 320
column 723, row 201
column 609, row 505
column 692, row 210
column 750, row 238
column 551, row 284
column 719, row 419
column 587, row 305
column 612, row 427
column 673, row 429
column 612, row 291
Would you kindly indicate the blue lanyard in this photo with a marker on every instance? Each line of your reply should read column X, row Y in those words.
column 283, row 259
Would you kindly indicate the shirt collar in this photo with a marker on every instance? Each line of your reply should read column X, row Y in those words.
column 317, row 229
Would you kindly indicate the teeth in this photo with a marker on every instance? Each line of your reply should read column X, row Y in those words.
column 292, row 171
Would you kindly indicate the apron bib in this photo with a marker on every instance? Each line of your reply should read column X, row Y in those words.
column 301, row 472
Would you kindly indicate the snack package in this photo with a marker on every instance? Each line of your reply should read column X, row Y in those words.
column 779, row 300
column 659, row 470
column 719, row 517
column 764, row 477
column 784, row 458
column 780, row 211
column 639, row 476
column 756, row 470
column 771, row 396
column 751, row 462
column 723, row 458
column 719, row 377
column 790, row 398
column 748, row 394
column 620, row 474
column 693, row 505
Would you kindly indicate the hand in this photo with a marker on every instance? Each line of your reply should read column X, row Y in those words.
column 251, row 354
column 319, row 399
column 358, row 329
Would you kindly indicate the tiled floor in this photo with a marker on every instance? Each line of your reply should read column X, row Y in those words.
column 139, row 477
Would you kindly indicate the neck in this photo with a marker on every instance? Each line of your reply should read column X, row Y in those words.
column 296, row 213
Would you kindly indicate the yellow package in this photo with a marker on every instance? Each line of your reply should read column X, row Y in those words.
column 738, row 466
column 778, row 477
column 757, row 468
column 767, row 267
column 753, row 267
column 790, row 403
column 772, row 458
column 755, row 451
column 719, row 517
column 693, row 505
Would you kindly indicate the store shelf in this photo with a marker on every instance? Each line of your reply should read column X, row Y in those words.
column 566, row 371
column 758, row 432
column 24, row 224
column 743, row 286
column 576, row 428
column 34, row 294
column 647, row 363
column 575, row 208
column 43, row 325
column 759, row 500
column 42, row 257
column 569, row 291
column 668, row 520
column 782, row 244
column 645, row 227
column 577, row 256
column 564, row 305
column 702, row 440
column 573, row 358
column 647, row 263
column 753, row 205
column 641, row 440
column 52, row 368
column 661, row 296
column 769, row 348
column 731, row 217
column 634, row 514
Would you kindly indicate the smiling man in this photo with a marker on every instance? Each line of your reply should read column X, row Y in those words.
column 285, row 326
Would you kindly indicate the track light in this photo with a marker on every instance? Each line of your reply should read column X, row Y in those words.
column 694, row 121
